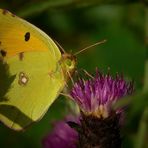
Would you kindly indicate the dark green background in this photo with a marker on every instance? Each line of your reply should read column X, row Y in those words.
column 75, row 25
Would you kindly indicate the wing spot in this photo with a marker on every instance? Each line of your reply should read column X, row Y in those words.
column 21, row 56
column 27, row 36
column 23, row 79
column 3, row 53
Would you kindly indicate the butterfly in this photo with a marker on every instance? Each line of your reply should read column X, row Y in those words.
column 33, row 71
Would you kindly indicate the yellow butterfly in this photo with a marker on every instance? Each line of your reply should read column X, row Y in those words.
column 33, row 71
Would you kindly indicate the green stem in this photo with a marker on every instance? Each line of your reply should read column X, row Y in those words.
column 143, row 130
column 140, row 141
column 146, row 62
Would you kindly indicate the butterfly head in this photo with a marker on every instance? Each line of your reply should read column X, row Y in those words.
column 68, row 63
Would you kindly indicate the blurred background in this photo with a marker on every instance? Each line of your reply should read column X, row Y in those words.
column 76, row 24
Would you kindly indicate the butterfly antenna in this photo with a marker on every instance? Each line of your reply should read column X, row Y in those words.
column 82, row 50
column 60, row 47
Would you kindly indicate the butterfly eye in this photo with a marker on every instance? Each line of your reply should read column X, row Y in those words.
column 70, row 64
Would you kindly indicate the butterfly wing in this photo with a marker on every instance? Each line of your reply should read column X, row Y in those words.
column 18, row 35
column 35, row 87
column 34, row 78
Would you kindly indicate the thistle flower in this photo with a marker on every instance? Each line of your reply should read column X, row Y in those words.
column 100, row 124
column 97, row 95
column 62, row 135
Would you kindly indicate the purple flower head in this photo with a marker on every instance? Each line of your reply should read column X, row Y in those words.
column 96, row 95
column 62, row 136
